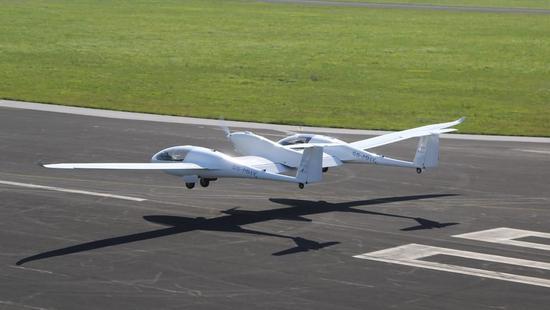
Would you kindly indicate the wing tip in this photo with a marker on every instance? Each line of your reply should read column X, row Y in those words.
column 54, row 166
column 42, row 164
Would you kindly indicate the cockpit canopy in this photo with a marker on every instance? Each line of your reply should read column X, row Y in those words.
column 176, row 153
column 295, row 139
column 307, row 138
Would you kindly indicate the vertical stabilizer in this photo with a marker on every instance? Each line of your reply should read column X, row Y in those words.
column 427, row 153
column 311, row 166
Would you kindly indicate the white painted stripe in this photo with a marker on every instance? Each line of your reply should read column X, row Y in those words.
column 504, row 235
column 534, row 151
column 32, row 269
column 73, row 191
column 250, row 125
column 411, row 255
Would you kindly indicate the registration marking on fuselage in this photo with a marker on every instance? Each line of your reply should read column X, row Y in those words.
column 73, row 191
column 412, row 255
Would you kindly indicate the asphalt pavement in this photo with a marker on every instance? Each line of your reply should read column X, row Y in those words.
column 141, row 240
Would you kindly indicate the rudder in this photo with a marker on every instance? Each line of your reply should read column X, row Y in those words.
column 311, row 165
column 427, row 153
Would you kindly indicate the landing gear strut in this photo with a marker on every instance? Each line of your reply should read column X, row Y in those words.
column 301, row 185
column 204, row 182
column 419, row 170
column 189, row 185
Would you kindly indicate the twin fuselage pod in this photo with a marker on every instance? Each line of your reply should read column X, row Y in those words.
column 194, row 163
column 288, row 151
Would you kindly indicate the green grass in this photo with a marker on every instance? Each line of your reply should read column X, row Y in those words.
column 292, row 64
column 534, row 4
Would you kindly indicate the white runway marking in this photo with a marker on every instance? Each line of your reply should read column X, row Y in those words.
column 506, row 235
column 411, row 255
column 534, row 151
column 32, row 269
column 74, row 191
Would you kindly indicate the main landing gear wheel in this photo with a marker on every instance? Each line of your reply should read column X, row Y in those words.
column 419, row 170
column 301, row 185
column 204, row 182
column 189, row 185
column 325, row 169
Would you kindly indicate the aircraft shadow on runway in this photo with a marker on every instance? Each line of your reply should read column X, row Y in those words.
column 233, row 220
column 312, row 207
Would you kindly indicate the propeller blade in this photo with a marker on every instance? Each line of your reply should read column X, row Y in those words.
column 224, row 127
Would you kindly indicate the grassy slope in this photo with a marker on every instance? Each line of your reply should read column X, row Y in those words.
column 540, row 4
column 346, row 67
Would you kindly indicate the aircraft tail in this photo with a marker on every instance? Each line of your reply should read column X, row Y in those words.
column 311, row 165
column 427, row 152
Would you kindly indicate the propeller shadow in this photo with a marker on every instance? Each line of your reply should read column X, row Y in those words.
column 233, row 220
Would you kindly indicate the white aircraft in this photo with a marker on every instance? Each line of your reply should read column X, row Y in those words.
column 288, row 151
column 195, row 163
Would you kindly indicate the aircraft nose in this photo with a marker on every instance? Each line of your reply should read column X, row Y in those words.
column 153, row 158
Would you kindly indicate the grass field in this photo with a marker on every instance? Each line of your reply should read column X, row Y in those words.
column 292, row 64
column 540, row 4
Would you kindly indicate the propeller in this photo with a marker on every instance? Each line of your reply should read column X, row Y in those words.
column 224, row 127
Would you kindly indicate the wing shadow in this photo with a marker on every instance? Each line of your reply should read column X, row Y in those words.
column 233, row 220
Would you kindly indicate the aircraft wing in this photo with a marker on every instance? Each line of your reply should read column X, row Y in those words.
column 261, row 163
column 301, row 146
column 129, row 166
column 328, row 160
column 406, row 134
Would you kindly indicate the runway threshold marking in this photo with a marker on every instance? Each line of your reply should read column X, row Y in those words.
column 73, row 191
column 505, row 235
column 411, row 255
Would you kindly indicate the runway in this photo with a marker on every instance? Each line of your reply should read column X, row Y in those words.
column 141, row 240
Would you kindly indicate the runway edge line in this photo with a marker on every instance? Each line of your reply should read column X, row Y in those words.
column 250, row 125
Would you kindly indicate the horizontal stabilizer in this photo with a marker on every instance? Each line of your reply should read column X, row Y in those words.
column 304, row 245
